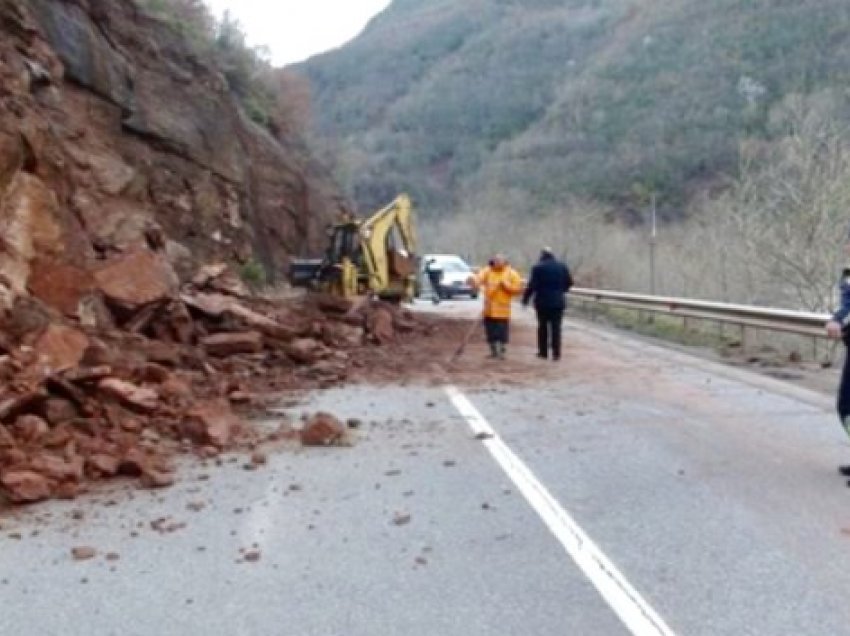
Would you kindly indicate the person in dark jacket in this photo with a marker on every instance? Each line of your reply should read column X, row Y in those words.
column 548, row 284
column 435, row 278
column 839, row 327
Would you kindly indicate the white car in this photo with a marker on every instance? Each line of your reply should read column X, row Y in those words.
column 456, row 274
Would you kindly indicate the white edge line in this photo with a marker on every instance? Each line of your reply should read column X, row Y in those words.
column 622, row 598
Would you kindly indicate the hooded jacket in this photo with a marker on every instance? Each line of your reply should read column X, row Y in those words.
column 498, row 285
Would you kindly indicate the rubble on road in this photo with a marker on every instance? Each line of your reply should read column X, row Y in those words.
column 158, row 369
column 323, row 429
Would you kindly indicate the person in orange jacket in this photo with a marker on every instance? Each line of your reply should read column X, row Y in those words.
column 498, row 284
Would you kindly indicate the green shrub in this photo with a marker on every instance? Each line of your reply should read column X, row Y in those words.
column 254, row 274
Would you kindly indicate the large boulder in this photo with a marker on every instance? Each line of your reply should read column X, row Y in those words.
column 61, row 347
column 60, row 285
column 137, row 278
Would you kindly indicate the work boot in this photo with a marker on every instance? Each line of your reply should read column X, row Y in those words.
column 494, row 349
column 542, row 356
column 844, row 470
column 502, row 351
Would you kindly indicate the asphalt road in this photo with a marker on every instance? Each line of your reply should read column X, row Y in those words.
column 712, row 490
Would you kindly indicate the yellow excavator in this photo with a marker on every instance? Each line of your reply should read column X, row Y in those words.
column 375, row 255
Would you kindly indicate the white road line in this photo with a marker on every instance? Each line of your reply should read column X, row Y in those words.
column 624, row 600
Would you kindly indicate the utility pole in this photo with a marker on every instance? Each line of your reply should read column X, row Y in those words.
column 652, row 241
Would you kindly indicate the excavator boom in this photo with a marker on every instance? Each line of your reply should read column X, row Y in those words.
column 391, row 267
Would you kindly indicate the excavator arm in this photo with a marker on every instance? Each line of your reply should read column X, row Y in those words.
column 391, row 268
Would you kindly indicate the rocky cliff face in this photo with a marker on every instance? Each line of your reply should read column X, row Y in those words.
column 113, row 135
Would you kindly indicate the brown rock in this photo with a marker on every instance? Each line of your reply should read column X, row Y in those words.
column 60, row 285
column 27, row 316
column 160, row 352
column 11, row 157
column 153, row 372
column 207, row 273
column 240, row 397
column 6, row 439
column 155, row 478
column 323, row 429
column 338, row 334
column 380, row 325
column 102, row 464
column 401, row 518
column 226, row 344
column 99, row 354
column 135, row 279
column 81, row 375
column 136, row 398
column 56, row 468
column 134, row 463
column 18, row 404
column 24, row 486
column 83, row 553
column 219, row 277
column 67, row 490
column 61, row 386
column 174, row 389
column 303, row 350
column 258, row 458
column 180, row 323
column 404, row 324
column 143, row 317
column 29, row 428
column 58, row 410
column 218, row 305
column 13, row 458
column 61, row 347
column 212, row 422
column 334, row 304
column 57, row 437
column 29, row 226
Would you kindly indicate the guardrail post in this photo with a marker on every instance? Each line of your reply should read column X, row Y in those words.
column 744, row 339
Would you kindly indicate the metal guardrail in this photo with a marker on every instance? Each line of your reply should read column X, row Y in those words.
column 797, row 322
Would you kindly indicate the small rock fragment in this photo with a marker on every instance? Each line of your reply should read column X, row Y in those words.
column 83, row 553
column 401, row 518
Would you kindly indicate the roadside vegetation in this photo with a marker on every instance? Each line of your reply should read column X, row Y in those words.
column 515, row 124
column 769, row 235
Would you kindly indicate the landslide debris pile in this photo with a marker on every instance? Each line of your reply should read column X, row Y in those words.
column 113, row 372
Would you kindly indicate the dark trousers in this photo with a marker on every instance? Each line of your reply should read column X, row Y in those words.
column 435, row 279
column 844, row 393
column 497, row 330
column 549, row 332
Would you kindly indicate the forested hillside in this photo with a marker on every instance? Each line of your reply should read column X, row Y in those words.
column 546, row 100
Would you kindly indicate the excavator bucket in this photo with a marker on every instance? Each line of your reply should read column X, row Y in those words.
column 401, row 265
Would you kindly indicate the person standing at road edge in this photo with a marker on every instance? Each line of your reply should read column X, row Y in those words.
column 499, row 283
column 435, row 279
column 548, row 284
column 839, row 327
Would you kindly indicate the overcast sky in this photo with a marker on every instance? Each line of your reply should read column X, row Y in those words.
column 296, row 29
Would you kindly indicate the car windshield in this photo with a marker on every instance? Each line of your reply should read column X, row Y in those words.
column 455, row 266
